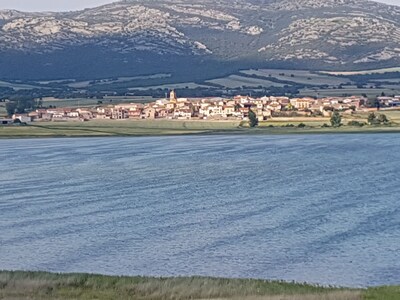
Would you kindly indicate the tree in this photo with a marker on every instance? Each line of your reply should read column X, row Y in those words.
column 356, row 124
column 382, row 119
column 11, row 108
column 336, row 119
column 253, row 120
column 372, row 118
column 39, row 102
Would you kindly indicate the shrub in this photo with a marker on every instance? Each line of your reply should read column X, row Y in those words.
column 382, row 119
column 373, row 119
column 356, row 124
column 336, row 119
column 253, row 121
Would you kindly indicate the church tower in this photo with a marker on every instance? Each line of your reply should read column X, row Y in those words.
column 172, row 96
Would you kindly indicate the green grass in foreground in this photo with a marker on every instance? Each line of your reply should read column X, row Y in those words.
column 384, row 293
column 168, row 127
column 14, row 285
column 111, row 128
column 40, row 285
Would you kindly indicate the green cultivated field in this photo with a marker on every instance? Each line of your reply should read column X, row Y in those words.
column 265, row 78
column 298, row 76
column 269, row 81
column 17, row 86
column 88, row 83
column 393, row 116
column 348, row 91
column 376, row 71
column 185, row 85
column 235, row 81
column 40, row 285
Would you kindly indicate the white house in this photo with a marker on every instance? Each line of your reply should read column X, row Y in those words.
column 22, row 118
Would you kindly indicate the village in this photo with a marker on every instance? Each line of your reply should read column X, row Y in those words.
column 236, row 108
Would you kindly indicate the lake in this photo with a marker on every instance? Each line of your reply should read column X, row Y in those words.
column 318, row 208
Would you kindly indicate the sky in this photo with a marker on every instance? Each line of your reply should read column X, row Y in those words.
column 66, row 5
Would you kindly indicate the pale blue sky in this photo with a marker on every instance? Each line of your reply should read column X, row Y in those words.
column 65, row 5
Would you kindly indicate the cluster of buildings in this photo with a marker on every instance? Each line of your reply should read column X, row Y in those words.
column 237, row 107
column 385, row 101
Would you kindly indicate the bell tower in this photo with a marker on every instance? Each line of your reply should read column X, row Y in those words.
column 172, row 96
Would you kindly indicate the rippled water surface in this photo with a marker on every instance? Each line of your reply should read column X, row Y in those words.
column 322, row 209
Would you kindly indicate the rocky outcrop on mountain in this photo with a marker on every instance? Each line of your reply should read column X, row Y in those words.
column 327, row 32
column 314, row 38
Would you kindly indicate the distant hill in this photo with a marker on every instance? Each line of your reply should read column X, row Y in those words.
column 196, row 38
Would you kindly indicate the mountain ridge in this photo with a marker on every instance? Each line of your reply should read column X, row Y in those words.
column 133, row 35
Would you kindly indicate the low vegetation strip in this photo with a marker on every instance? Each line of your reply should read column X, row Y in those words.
column 359, row 123
column 14, row 285
column 41, row 285
column 8, row 132
column 111, row 128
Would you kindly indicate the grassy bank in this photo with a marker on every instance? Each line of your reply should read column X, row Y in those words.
column 40, row 285
column 114, row 128
column 169, row 127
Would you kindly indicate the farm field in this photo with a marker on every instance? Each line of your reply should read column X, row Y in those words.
column 185, row 85
column 236, row 81
column 311, row 122
column 298, row 76
column 391, row 80
column 392, row 87
column 87, row 83
column 345, row 91
column 252, row 79
column 364, row 72
column 16, row 86
column 392, row 115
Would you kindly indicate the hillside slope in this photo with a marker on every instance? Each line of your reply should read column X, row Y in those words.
column 134, row 37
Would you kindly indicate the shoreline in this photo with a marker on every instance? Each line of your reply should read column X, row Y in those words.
column 238, row 132
column 45, row 285
column 87, row 131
